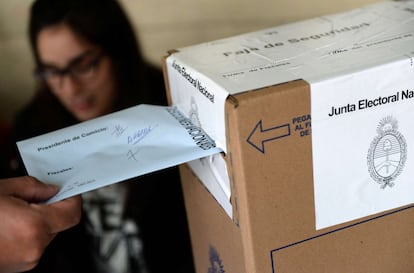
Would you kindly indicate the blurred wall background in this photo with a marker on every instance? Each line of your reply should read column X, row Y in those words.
column 160, row 24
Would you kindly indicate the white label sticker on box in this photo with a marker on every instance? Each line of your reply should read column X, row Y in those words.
column 362, row 143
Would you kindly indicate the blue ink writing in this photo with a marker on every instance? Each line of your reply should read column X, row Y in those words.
column 138, row 135
column 119, row 130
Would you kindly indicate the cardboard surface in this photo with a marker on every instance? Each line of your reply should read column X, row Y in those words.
column 269, row 161
column 359, row 66
column 382, row 243
column 274, row 187
column 216, row 240
column 273, row 229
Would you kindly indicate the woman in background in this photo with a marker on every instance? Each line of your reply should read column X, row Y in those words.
column 88, row 64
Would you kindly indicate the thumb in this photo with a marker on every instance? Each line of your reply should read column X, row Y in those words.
column 61, row 215
column 27, row 188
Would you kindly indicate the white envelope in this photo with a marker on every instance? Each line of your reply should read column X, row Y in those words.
column 114, row 148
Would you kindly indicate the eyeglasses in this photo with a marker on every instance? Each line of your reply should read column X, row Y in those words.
column 80, row 69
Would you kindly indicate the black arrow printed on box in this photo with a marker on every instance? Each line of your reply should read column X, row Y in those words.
column 259, row 136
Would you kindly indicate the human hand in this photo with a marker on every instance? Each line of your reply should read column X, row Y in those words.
column 27, row 227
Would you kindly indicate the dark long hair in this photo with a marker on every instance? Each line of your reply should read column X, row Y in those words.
column 102, row 23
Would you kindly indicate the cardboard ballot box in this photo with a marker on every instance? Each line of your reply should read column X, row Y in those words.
column 314, row 119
